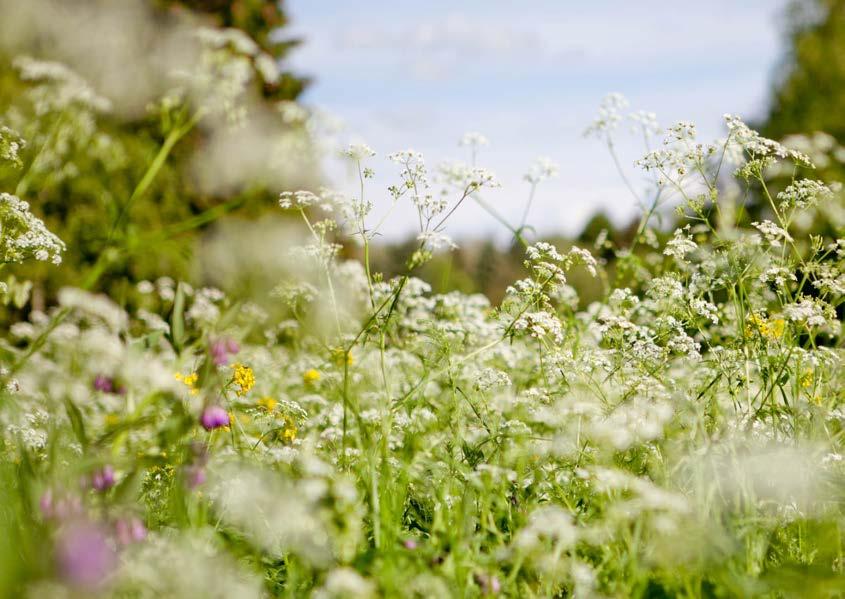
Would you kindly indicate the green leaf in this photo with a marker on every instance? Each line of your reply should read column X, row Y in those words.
column 177, row 319
column 76, row 422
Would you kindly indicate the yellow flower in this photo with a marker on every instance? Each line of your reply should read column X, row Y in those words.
column 268, row 403
column 807, row 379
column 770, row 329
column 776, row 327
column 243, row 377
column 189, row 380
column 112, row 419
column 311, row 376
column 289, row 431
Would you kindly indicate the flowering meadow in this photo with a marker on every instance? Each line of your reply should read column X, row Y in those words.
column 346, row 434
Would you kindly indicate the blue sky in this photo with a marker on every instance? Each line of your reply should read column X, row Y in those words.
column 529, row 75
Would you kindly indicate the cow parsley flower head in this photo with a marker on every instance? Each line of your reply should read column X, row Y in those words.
column 803, row 194
column 609, row 115
column 11, row 145
column 435, row 240
column 645, row 121
column 359, row 151
column 24, row 235
column 297, row 199
column 772, row 233
column 473, row 139
column 467, row 177
column 60, row 87
column 811, row 312
column 542, row 169
column 758, row 147
column 680, row 245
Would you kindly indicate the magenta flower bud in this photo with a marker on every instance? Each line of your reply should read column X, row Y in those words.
column 103, row 479
column 46, row 504
column 84, row 556
column 219, row 356
column 130, row 530
column 103, row 383
column 409, row 544
column 221, row 349
column 67, row 507
column 194, row 476
column 488, row 584
column 214, row 417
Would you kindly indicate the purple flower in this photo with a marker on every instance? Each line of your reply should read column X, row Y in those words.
column 489, row 584
column 103, row 479
column 130, row 530
column 221, row 349
column 409, row 544
column 214, row 417
column 84, row 555
column 194, row 476
column 103, row 383
column 46, row 504
column 62, row 508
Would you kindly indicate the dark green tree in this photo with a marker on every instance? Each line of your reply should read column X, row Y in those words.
column 809, row 92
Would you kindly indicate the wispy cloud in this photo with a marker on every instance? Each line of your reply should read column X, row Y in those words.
column 530, row 77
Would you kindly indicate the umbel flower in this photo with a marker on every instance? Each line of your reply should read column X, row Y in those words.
column 25, row 235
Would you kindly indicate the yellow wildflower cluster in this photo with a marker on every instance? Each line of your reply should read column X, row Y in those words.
column 189, row 380
column 243, row 377
column 268, row 403
column 311, row 376
column 807, row 378
column 288, row 433
column 769, row 328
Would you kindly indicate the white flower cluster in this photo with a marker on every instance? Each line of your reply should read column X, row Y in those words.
column 11, row 145
column 359, row 151
column 540, row 325
column 23, row 235
column 609, row 115
column 414, row 180
column 469, row 178
column 242, row 44
column 680, row 245
column 645, row 121
column 803, row 194
column 680, row 155
column 473, row 139
column 297, row 199
column 811, row 312
column 759, row 147
column 773, row 234
column 542, row 169
column 61, row 87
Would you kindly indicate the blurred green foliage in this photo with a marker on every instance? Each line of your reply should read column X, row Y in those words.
column 809, row 92
column 263, row 20
column 90, row 204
